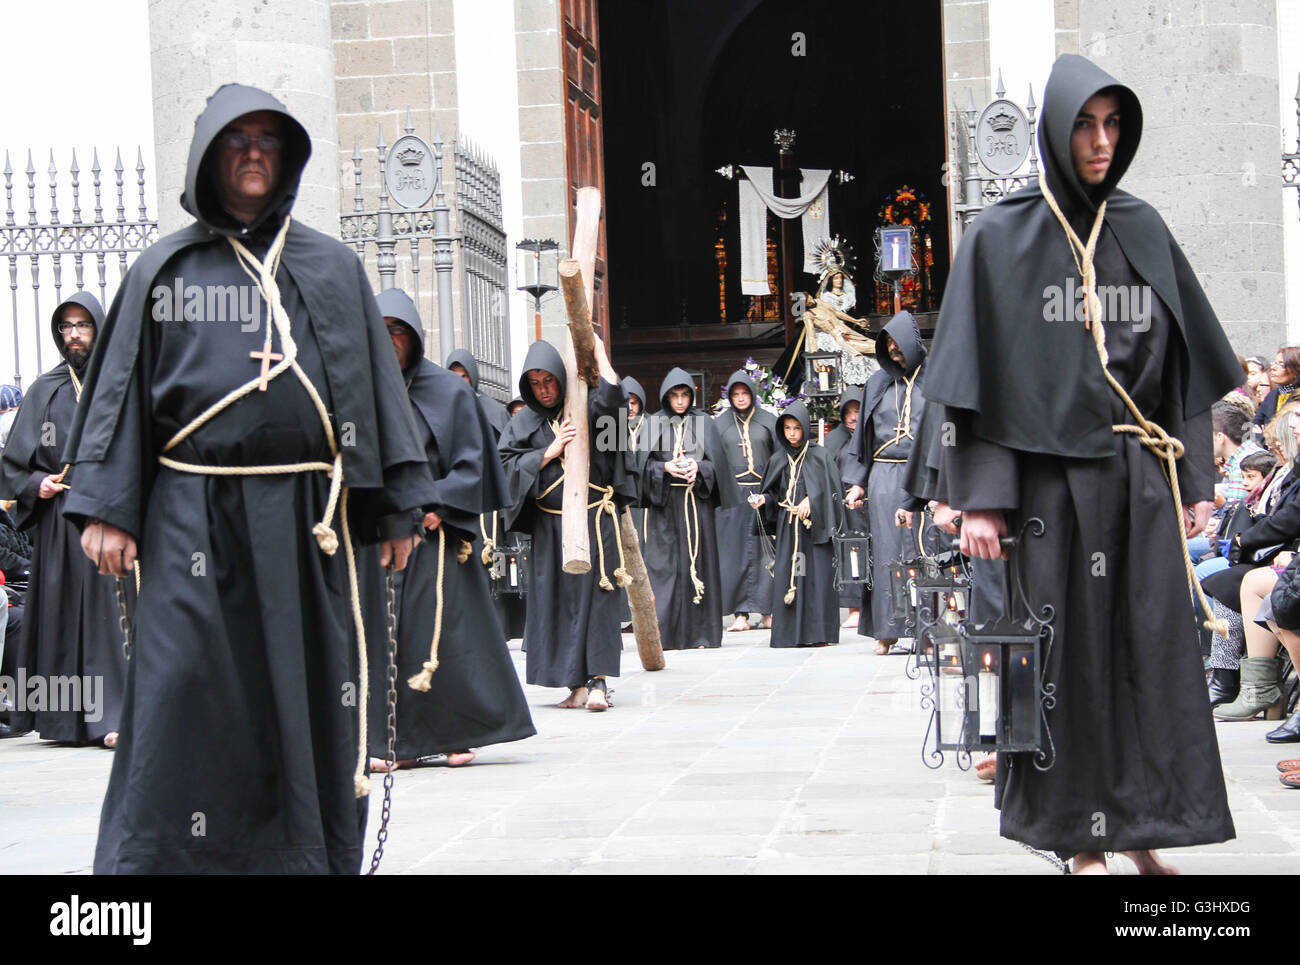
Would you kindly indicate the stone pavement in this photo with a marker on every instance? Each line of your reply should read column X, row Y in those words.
column 740, row 760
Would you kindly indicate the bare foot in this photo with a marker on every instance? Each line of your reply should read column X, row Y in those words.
column 110, row 739
column 380, row 766
column 882, row 646
column 597, row 699
column 1090, row 863
column 851, row 621
column 459, row 758
column 577, row 698
column 1150, row 863
column 742, row 623
column 767, row 622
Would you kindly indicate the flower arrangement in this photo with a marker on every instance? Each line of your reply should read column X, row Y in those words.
column 774, row 395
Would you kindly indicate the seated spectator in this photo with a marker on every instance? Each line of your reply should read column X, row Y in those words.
column 10, row 398
column 1284, row 378
column 1257, row 383
column 1231, row 446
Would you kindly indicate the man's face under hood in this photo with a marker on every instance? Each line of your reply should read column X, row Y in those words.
column 247, row 163
column 1094, row 138
column 546, row 388
column 404, row 341
column 77, row 332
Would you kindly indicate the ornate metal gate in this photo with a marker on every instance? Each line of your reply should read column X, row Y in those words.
column 483, row 295
column 51, row 241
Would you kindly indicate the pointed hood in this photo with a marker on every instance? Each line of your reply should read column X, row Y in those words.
column 675, row 377
column 1073, row 80
column 87, row 301
column 465, row 359
column 543, row 356
column 902, row 328
column 395, row 303
column 799, row 412
column 230, row 102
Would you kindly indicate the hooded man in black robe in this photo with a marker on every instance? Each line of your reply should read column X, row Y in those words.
column 462, row 362
column 892, row 402
column 686, row 479
column 855, row 520
column 473, row 697
column 801, row 504
column 572, row 635
column 748, row 434
column 1129, row 760
column 245, row 485
column 71, row 627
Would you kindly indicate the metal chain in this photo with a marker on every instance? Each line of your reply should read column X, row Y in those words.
column 386, row 810
column 124, row 624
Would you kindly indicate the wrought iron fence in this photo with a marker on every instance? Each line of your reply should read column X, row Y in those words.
column 52, row 242
column 484, row 268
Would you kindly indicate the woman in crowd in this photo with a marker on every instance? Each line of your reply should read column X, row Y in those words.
column 1284, row 377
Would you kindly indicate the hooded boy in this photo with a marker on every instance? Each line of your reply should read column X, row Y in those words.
column 748, row 434
column 246, row 487
column 876, row 463
column 855, row 520
column 71, row 625
column 572, row 632
column 686, row 479
column 1064, row 417
column 801, row 503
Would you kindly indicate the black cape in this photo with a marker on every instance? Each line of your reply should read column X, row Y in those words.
column 572, row 630
column 813, row 616
column 674, row 523
column 746, row 583
column 70, row 626
column 241, row 698
column 496, row 413
column 1131, row 733
column 992, row 346
column 474, row 698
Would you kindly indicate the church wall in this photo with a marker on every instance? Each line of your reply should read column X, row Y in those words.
column 1206, row 72
column 1288, row 43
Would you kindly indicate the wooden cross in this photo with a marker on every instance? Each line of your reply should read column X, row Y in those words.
column 267, row 357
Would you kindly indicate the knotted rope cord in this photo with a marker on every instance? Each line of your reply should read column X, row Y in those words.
column 788, row 504
column 904, row 428
column 742, row 425
column 423, row 679
column 489, row 542
column 1159, row 442
column 689, row 511
column 263, row 274
column 604, row 504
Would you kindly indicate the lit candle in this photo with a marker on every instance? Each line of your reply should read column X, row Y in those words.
column 853, row 561
column 988, row 699
column 514, row 572
column 824, row 378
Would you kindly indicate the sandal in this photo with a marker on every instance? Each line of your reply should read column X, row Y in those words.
column 597, row 694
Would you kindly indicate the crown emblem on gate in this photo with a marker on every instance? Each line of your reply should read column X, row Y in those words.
column 1003, row 120
column 410, row 157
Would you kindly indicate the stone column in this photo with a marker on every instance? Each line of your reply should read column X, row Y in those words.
column 968, row 79
column 1206, row 72
column 543, row 165
column 283, row 48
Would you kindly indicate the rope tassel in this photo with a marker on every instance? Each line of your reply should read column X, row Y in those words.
column 424, row 679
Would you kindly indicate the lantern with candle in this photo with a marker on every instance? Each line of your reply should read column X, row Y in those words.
column 510, row 568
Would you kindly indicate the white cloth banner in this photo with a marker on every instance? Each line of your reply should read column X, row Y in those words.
column 756, row 199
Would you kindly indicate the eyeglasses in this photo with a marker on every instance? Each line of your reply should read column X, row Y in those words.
column 266, row 143
column 66, row 327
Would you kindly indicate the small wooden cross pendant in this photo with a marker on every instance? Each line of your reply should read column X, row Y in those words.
column 267, row 357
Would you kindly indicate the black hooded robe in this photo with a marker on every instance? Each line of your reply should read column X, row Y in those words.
column 240, row 726
column 510, row 607
column 71, row 626
column 814, row 614
column 682, row 515
column 474, row 697
column 857, row 520
column 746, row 583
column 572, row 633
column 1134, row 763
column 878, row 463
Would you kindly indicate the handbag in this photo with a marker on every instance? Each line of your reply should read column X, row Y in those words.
column 1285, row 597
